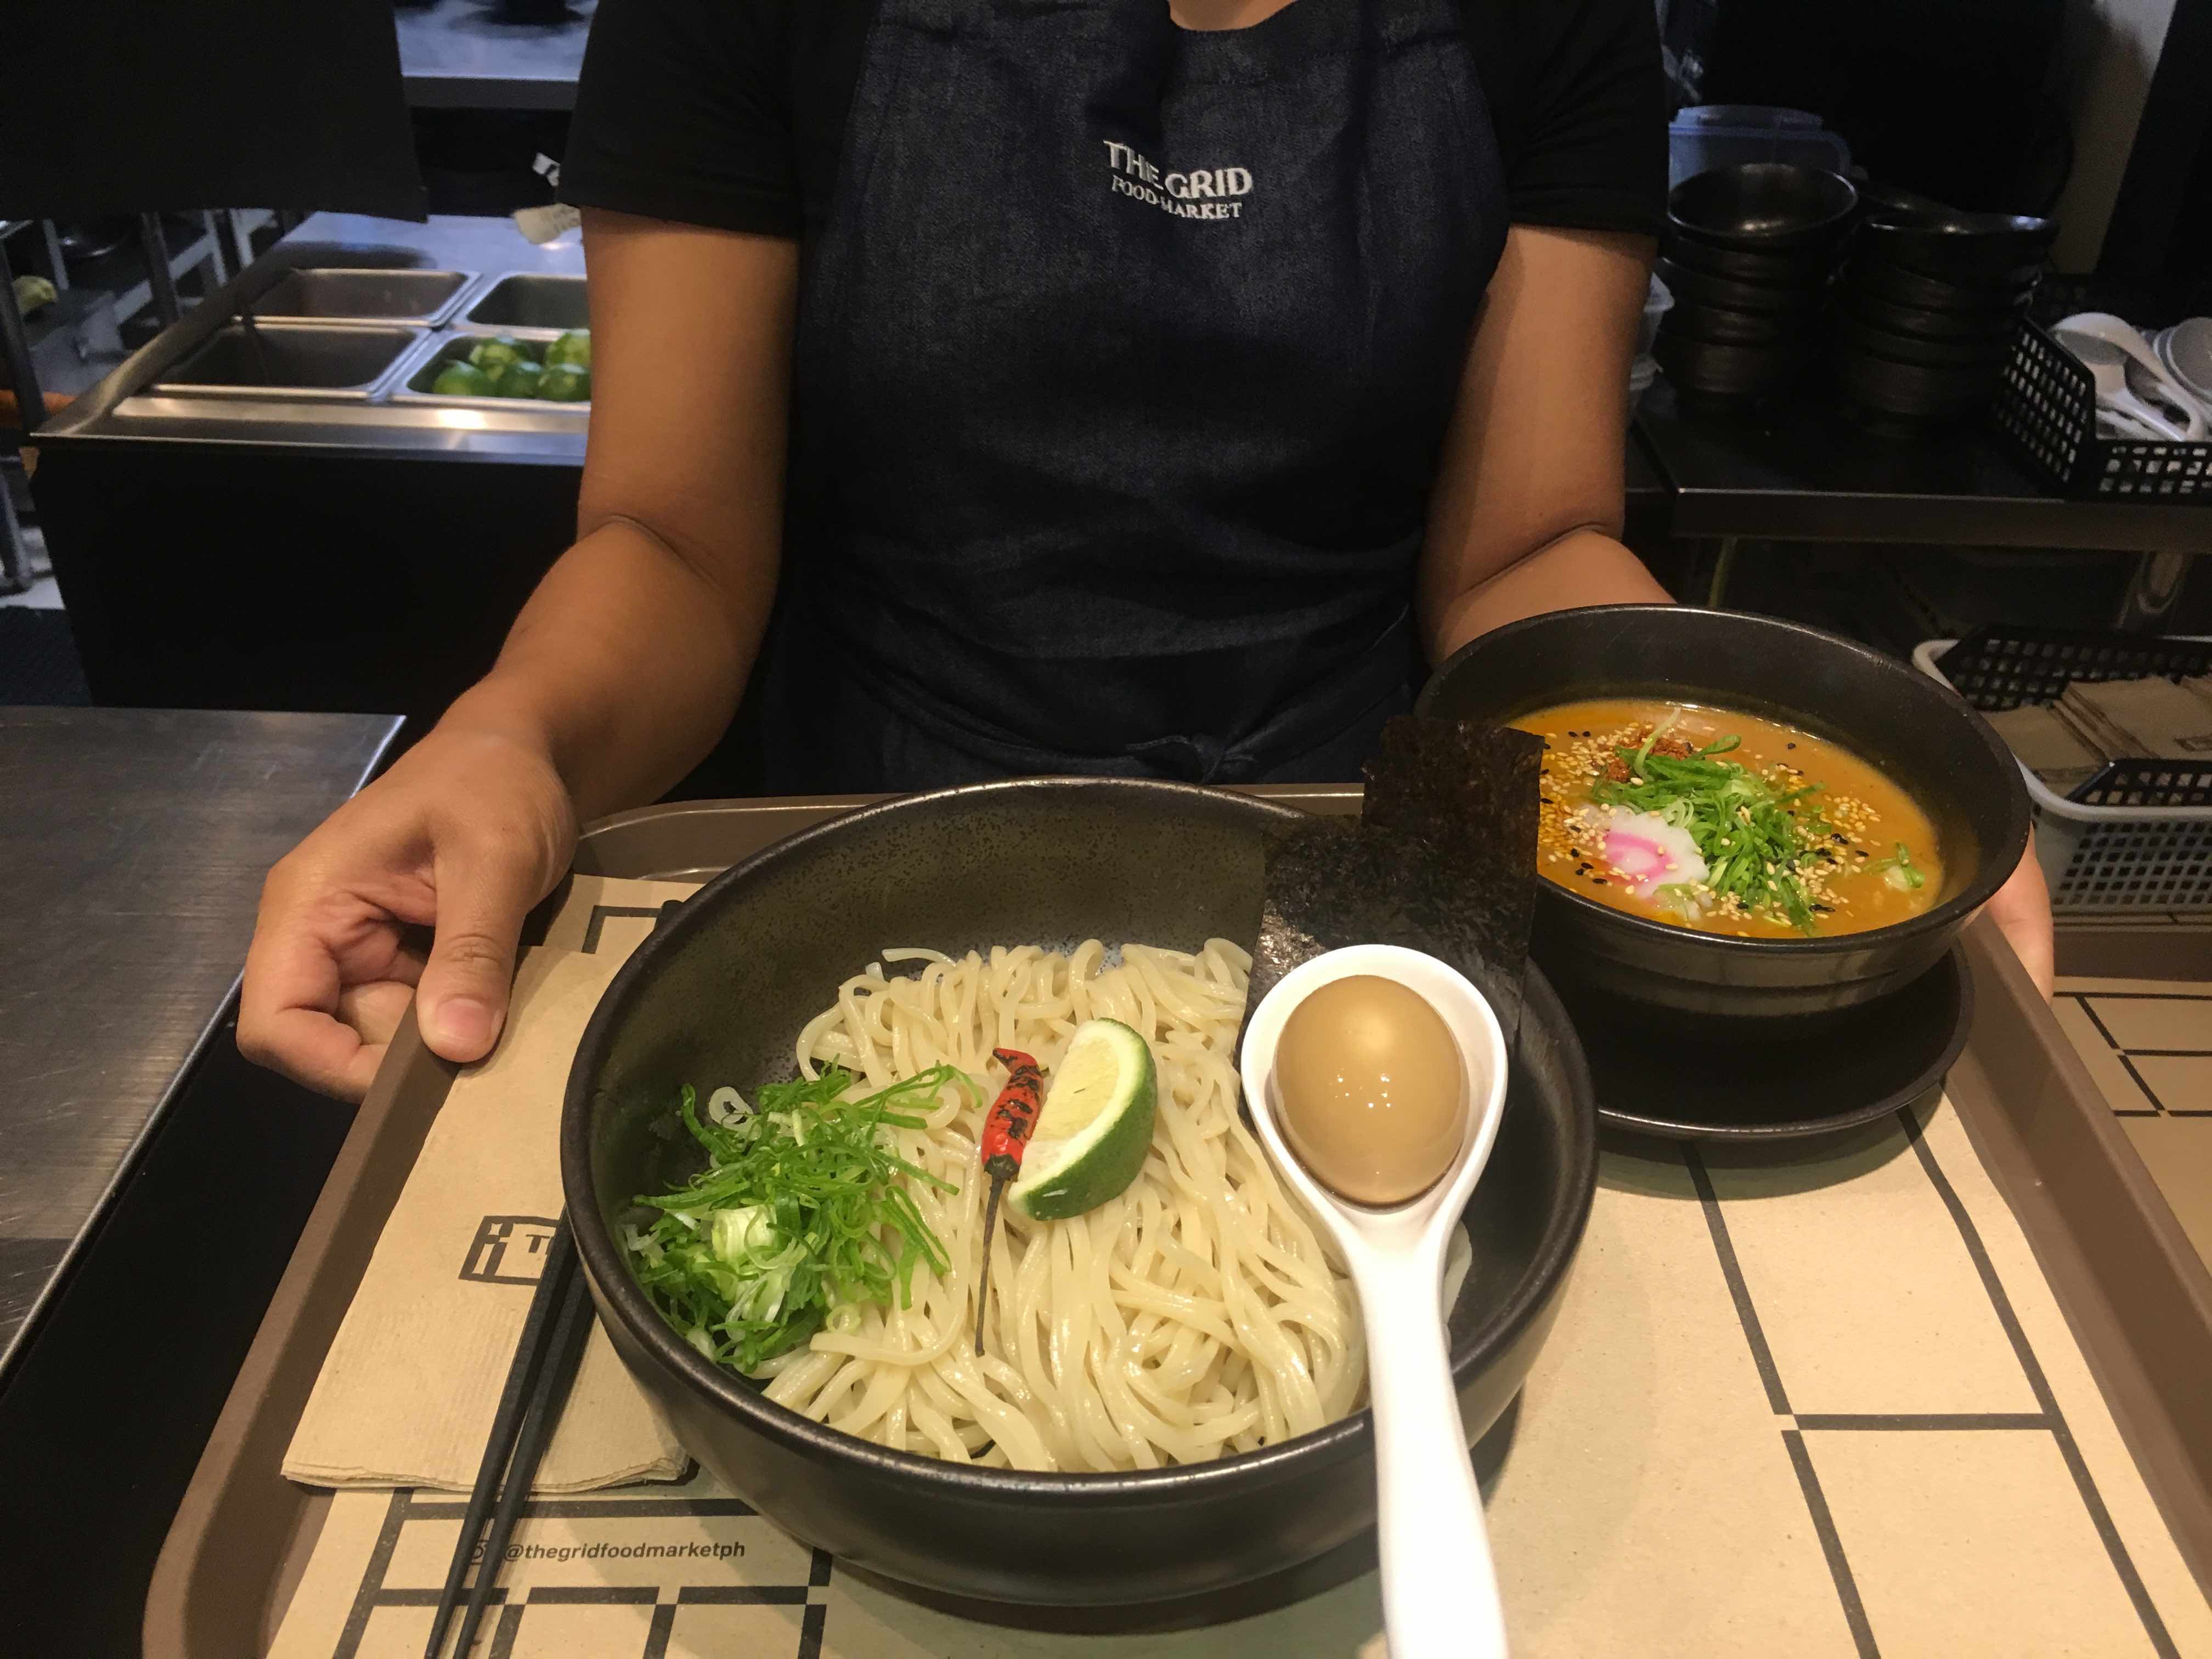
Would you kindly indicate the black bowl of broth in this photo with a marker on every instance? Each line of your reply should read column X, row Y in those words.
column 1742, row 816
column 724, row 991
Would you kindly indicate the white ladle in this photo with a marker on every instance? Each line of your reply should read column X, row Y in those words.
column 2108, row 367
column 2110, row 424
column 1439, row 1588
column 2168, row 397
column 2107, row 362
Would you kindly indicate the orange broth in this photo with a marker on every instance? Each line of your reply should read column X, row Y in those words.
column 1847, row 873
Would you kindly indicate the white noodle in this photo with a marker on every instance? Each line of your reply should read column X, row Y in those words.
column 1196, row 1313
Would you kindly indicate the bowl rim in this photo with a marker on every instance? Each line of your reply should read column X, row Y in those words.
column 1946, row 917
column 1764, row 328
column 1825, row 179
column 2004, row 323
column 1791, row 296
column 1874, row 339
column 1952, row 222
column 1784, row 267
column 620, row 1296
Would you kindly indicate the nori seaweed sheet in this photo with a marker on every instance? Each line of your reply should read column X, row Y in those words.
column 1443, row 860
column 1471, row 792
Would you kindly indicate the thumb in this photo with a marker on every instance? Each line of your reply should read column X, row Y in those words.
column 483, row 894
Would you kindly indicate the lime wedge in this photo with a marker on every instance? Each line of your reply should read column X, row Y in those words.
column 1094, row 1127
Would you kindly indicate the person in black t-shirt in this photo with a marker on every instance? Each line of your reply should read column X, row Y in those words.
column 1149, row 387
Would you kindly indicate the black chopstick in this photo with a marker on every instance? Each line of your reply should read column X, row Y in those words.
column 546, row 1356
column 563, row 1356
column 540, row 1373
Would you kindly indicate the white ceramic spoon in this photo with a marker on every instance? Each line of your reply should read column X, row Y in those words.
column 1439, row 1588
column 2112, row 424
column 2108, row 367
column 2122, row 337
column 2168, row 397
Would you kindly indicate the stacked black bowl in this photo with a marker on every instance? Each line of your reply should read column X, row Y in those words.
column 1748, row 253
column 1927, row 307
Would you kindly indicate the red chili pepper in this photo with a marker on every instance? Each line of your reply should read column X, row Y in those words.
column 1006, row 1129
column 1013, row 1114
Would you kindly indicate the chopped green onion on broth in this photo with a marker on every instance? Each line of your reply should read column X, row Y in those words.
column 1899, row 871
column 1755, row 839
column 1726, row 822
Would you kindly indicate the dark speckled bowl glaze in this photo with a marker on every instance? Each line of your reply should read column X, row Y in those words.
column 1920, row 734
column 719, row 995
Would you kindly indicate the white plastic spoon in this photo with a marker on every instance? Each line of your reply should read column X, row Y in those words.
column 2168, row 398
column 2111, row 424
column 1439, row 1587
column 2108, row 367
column 2104, row 325
column 2124, row 336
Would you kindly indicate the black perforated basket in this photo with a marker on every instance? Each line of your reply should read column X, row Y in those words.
column 2137, row 838
column 1998, row 667
column 2047, row 405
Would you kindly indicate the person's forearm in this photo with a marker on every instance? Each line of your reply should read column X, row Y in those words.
column 1582, row 568
column 625, row 667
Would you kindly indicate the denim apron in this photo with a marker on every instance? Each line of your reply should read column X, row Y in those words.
column 1121, row 372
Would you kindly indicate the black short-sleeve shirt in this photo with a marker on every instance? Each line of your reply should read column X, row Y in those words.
column 731, row 113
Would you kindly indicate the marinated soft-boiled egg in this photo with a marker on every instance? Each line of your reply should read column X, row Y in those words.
column 1373, row 1092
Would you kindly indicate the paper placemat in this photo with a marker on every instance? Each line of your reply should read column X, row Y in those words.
column 599, row 914
column 1819, row 1408
column 407, row 1395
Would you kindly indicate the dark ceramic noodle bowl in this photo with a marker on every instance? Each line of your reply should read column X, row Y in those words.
column 1968, row 248
column 1921, row 392
column 1920, row 734
column 1762, row 207
column 1712, row 369
column 1874, row 275
column 1720, row 325
column 1987, row 351
column 1893, row 205
column 1930, row 322
column 1793, row 268
column 718, row 995
column 1691, row 286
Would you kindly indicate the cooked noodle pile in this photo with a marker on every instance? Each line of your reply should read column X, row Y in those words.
column 1194, row 1314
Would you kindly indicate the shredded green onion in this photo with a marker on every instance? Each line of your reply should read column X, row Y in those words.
column 1754, row 837
column 1901, row 872
column 798, row 1218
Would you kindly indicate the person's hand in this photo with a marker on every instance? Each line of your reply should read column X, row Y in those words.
column 2021, row 910
column 465, row 834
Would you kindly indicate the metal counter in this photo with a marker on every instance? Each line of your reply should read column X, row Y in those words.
column 131, row 405
column 132, row 847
